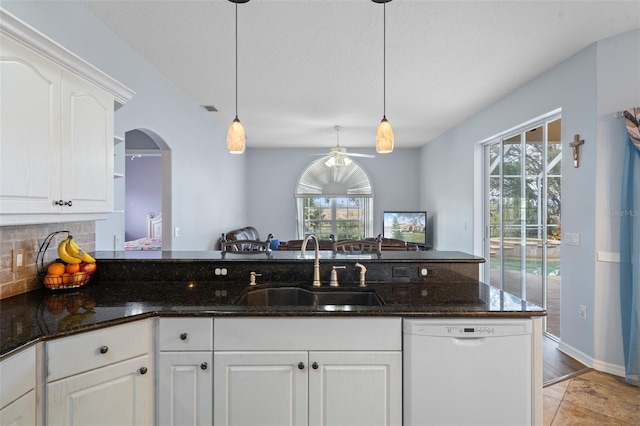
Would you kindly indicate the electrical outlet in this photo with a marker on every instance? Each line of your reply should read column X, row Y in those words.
column 18, row 260
column 176, row 232
column 582, row 312
column 571, row 239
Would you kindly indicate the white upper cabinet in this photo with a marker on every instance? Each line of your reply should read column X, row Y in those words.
column 87, row 155
column 29, row 130
column 56, row 130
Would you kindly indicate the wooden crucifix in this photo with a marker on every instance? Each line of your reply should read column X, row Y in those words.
column 576, row 149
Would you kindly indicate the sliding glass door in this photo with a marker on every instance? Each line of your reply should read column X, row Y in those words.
column 522, row 215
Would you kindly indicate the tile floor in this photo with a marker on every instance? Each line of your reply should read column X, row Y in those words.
column 592, row 398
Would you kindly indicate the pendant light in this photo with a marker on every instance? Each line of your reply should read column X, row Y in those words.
column 384, row 133
column 236, row 137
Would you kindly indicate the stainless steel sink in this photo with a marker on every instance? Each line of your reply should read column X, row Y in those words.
column 300, row 296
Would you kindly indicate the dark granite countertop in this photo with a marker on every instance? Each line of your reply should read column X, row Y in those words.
column 42, row 314
column 130, row 285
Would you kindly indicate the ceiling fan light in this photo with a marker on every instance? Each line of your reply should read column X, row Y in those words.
column 236, row 138
column 331, row 162
column 384, row 137
column 347, row 161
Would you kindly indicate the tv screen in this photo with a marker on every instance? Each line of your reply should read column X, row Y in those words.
column 407, row 226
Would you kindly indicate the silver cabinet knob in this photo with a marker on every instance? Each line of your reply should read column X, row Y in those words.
column 104, row 349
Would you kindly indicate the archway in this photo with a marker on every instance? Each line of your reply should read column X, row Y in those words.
column 145, row 142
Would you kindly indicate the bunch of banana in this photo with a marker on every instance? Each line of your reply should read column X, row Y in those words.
column 70, row 252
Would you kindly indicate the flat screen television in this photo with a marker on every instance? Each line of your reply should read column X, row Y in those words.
column 410, row 226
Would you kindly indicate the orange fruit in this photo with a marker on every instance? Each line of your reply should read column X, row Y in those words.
column 78, row 277
column 52, row 281
column 72, row 268
column 66, row 278
column 56, row 269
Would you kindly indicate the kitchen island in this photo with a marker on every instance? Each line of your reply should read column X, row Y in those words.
column 176, row 314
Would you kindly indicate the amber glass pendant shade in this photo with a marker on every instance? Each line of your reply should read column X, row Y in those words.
column 235, row 137
column 384, row 137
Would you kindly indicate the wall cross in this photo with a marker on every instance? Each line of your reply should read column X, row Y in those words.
column 576, row 149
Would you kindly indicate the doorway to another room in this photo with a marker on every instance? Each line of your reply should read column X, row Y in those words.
column 523, row 179
column 145, row 161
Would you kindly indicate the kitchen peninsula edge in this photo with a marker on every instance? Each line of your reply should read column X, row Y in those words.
column 134, row 285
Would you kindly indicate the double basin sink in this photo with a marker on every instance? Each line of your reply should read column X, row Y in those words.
column 308, row 296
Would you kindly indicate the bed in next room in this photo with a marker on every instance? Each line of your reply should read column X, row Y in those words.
column 153, row 240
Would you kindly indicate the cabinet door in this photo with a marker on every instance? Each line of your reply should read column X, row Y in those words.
column 21, row 412
column 185, row 388
column 260, row 388
column 86, row 164
column 29, row 130
column 355, row 388
column 118, row 394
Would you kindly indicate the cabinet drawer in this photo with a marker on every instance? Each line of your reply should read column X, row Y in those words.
column 185, row 334
column 85, row 351
column 18, row 374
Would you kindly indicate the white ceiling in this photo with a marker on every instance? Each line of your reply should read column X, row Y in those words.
column 306, row 66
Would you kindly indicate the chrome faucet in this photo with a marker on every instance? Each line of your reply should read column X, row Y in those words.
column 316, row 263
column 363, row 271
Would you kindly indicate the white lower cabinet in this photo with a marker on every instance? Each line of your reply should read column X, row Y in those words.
column 184, row 390
column 260, row 388
column 349, row 374
column 21, row 412
column 355, row 388
column 118, row 394
column 315, row 388
column 17, row 390
column 101, row 377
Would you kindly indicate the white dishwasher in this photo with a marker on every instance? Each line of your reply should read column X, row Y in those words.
column 467, row 372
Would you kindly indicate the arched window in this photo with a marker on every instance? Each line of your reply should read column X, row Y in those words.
column 334, row 200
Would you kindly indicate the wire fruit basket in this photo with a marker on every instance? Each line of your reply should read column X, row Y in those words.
column 64, row 281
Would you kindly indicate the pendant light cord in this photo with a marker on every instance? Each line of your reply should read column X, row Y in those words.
column 236, row 59
column 384, row 59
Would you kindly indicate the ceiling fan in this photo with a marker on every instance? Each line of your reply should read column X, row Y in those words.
column 338, row 155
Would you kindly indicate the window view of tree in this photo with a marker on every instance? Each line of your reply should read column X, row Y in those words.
column 334, row 200
column 396, row 232
column 524, row 200
column 342, row 217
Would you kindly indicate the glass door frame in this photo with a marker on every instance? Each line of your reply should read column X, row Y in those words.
column 543, row 196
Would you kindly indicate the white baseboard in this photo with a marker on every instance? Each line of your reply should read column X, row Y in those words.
column 605, row 367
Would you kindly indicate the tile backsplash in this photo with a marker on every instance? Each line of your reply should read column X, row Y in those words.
column 30, row 238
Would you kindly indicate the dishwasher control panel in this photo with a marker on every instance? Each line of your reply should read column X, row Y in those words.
column 471, row 330
column 460, row 328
